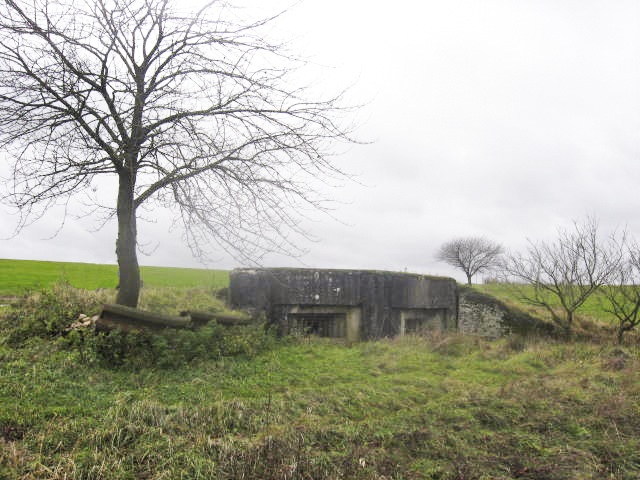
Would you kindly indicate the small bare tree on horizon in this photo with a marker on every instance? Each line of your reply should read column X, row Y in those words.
column 197, row 112
column 472, row 255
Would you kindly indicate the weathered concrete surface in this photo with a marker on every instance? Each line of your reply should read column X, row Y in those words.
column 375, row 303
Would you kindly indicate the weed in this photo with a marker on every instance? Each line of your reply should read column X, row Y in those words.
column 171, row 348
column 50, row 312
column 516, row 343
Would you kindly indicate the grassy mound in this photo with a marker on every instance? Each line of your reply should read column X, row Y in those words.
column 514, row 318
column 592, row 322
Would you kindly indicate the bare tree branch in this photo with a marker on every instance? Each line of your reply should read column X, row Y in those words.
column 565, row 272
column 621, row 297
column 199, row 113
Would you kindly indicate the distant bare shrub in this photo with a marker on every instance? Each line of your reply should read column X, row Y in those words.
column 491, row 280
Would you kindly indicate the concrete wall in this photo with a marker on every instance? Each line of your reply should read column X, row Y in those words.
column 380, row 297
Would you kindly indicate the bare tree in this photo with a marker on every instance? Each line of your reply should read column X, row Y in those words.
column 621, row 296
column 470, row 254
column 196, row 112
column 564, row 273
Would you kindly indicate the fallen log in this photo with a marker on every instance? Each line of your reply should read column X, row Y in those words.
column 199, row 319
column 130, row 319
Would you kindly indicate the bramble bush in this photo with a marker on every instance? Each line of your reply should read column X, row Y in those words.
column 49, row 314
column 171, row 348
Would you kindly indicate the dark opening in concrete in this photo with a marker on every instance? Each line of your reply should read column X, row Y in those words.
column 332, row 325
column 421, row 320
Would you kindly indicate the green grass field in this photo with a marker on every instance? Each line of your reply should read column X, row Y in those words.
column 417, row 408
column 593, row 309
column 18, row 276
column 445, row 406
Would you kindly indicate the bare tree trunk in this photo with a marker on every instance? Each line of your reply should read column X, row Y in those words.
column 128, row 270
column 468, row 279
column 621, row 331
column 569, row 324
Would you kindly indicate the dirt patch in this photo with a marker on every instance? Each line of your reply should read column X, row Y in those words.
column 617, row 360
column 11, row 431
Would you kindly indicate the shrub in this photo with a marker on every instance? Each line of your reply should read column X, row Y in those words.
column 171, row 348
column 50, row 312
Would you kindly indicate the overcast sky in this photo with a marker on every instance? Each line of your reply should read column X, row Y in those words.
column 496, row 118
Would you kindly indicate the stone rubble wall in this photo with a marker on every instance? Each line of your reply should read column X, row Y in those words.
column 481, row 319
column 484, row 315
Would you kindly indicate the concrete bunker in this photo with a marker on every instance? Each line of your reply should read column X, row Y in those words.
column 346, row 304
